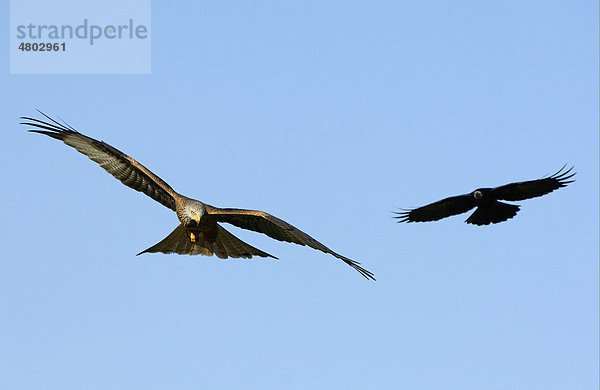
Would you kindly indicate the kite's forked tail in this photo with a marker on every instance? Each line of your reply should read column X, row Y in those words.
column 225, row 245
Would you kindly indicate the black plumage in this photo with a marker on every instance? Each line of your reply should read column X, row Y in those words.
column 489, row 209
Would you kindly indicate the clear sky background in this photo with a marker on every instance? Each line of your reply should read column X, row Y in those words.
column 330, row 115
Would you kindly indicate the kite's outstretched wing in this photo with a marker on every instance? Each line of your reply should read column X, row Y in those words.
column 438, row 210
column 533, row 188
column 121, row 166
column 265, row 223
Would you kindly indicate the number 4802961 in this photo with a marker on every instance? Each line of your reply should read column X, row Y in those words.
column 27, row 46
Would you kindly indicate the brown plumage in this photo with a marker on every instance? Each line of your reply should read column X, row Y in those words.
column 199, row 232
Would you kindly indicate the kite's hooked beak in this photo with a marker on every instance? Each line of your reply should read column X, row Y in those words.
column 196, row 218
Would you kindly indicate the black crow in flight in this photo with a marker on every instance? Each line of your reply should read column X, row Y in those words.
column 489, row 209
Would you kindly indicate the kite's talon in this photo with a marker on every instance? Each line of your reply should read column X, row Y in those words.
column 192, row 237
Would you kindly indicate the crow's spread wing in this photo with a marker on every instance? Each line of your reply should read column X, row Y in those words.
column 533, row 188
column 438, row 210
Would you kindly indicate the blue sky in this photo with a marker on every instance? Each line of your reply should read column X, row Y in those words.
column 330, row 115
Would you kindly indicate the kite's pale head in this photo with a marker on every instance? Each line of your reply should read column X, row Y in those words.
column 192, row 212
